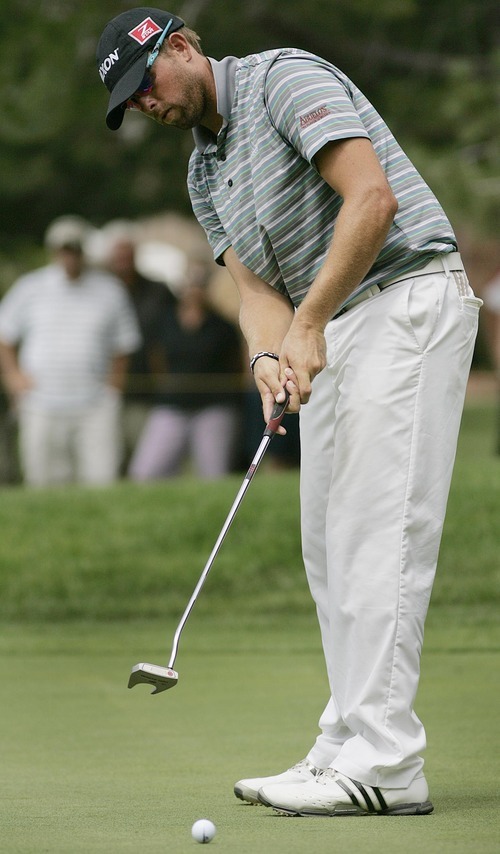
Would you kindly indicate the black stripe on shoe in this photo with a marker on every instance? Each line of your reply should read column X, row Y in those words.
column 366, row 796
column 348, row 791
column 380, row 797
column 370, row 806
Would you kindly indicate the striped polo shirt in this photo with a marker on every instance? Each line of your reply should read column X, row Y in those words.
column 68, row 332
column 255, row 186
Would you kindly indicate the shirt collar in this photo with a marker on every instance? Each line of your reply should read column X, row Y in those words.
column 224, row 72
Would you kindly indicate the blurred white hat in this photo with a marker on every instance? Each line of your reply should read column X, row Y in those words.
column 67, row 232
column 100, row 241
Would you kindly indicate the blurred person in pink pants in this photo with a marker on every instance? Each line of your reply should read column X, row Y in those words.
column 195, row 417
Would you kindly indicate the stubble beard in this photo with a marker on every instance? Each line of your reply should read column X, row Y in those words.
column 190, row 114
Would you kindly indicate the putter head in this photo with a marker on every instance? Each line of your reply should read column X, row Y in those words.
column 152, row 674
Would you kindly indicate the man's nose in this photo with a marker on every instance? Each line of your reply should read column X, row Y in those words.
column 148, row 102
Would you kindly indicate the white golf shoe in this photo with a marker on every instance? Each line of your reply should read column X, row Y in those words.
column 333, row 794
column 302, row 772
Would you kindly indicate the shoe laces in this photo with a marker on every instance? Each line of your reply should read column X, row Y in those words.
column 304, row 763
column 329, row 773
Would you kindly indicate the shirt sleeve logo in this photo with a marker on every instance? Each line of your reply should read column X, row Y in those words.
column 143, row 31
column 314, row 116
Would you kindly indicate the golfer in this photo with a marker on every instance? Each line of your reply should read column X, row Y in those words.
column 354, row 297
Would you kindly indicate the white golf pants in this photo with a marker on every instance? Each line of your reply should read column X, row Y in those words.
column 82, row 446
column 378, row 440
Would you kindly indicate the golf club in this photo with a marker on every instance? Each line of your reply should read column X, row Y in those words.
column 162, row 678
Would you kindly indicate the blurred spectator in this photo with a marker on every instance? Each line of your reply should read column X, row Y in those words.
column 196, row 413
column 491, row 297
column 150, row 300
column 65, row 334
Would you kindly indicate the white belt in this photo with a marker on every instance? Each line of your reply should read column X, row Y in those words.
column 445, row 262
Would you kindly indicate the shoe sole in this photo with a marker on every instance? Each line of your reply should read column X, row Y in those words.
column 250, row 796
column 424, row 808
column 243, row 795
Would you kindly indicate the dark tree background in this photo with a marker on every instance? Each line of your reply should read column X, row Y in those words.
column 430, row 66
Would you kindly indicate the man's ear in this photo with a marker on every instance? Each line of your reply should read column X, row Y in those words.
column 178, row 43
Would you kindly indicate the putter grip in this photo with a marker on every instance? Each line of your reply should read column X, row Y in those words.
column 277, row 416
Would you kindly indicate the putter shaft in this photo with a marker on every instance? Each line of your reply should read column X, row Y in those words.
column 227, row 524
column 163, row 678
column 271, row 428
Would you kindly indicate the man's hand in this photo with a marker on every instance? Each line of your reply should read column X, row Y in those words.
column 17, row 383
column 270, row 389
column 302, row 357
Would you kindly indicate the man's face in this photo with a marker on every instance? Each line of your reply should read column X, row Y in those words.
column 121, row 258
column 178, row 97
column 71, row 260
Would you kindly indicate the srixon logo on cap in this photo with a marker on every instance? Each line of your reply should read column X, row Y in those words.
column 143, row 31
column 108, row 63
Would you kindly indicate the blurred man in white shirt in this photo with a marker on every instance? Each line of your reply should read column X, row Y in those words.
column 65, row 335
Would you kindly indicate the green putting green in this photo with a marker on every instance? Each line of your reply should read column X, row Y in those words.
column 89, row 766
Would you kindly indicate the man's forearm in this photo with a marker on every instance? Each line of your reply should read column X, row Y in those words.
column 265, row 319
column 265, row 315
column 359, row 236
column 351, row 168
column 15, row 381
column 118, row 372
column 264, row 322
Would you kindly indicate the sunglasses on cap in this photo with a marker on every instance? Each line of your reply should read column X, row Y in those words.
column 147, row 82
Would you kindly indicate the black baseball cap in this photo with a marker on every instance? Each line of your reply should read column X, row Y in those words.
column 122, row 54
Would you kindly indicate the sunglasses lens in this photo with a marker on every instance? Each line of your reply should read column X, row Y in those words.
column 146, row 84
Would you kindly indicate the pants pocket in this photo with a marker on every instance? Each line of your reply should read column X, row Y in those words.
column 424, row 308
column 472, row 304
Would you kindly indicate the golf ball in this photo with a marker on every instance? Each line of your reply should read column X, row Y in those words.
column 203, row 830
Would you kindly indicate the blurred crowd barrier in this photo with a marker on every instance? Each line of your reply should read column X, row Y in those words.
column 188, row 401
column 283, row 452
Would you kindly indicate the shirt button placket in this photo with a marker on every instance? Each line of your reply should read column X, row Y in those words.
column 221, row 161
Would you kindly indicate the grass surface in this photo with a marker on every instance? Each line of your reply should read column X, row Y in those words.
column 88, row 766
column 137, row 550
